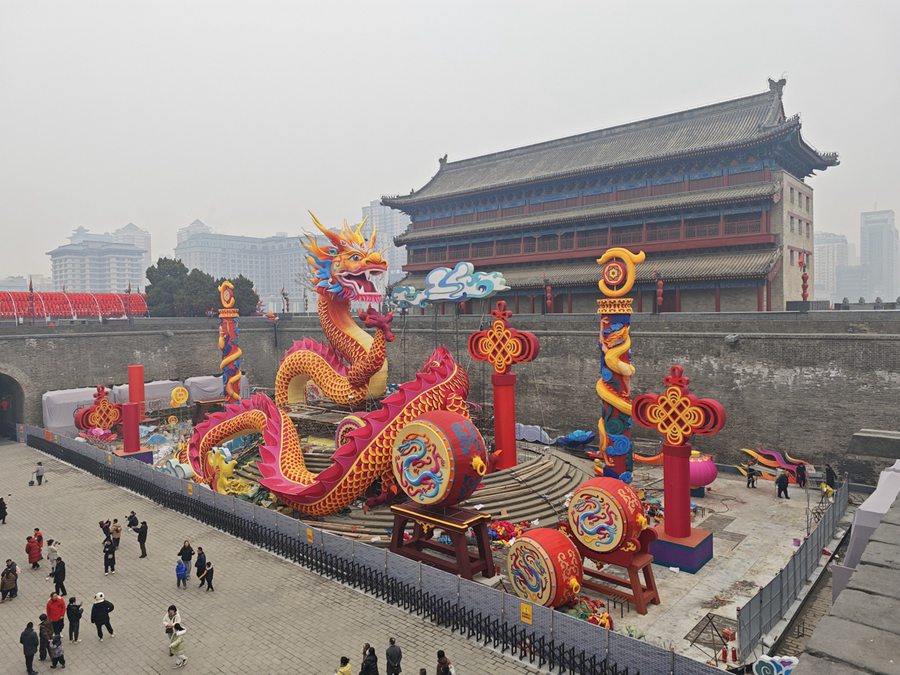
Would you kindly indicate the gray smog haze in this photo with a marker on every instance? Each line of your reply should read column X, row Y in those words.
column 246, row 114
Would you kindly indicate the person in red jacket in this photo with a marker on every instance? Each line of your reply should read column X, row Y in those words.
column 56, row 612
column 33, row 549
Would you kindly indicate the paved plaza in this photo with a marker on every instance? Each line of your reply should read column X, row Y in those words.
column 266, row 615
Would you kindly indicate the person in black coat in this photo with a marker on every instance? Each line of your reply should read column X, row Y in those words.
column 142, row 538
column 2, row 511
column 200, row 564
column 206, row 577
column 109, row 557
column 393, row 656
column 29, row 641
column 100, row 615
column 782, row 484
column 59, row 576
column 132, row 520
column 370, row 663
column 187, row 555
column 801, row 476
column 830, row 477
column 74, row 612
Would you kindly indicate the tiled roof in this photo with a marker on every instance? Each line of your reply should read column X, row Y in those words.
column 749, row 264
column 741, row 193
column 735, row 123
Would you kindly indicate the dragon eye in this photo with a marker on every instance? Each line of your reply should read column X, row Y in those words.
column 355, row 257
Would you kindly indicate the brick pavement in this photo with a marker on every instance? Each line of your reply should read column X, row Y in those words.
column 267, row 615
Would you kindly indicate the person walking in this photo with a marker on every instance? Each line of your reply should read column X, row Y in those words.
column 59, row 577
column 52, row 555
column 176, row 646
column 57, row 658
column 344, row 668
column 2, row 511
column 9, row 581
column 444, row 667
column 181, row 574
column 370, row 663
column 830, row 477
column 142, row 537
column 29, row 641
column 782, row 484
column 206, row 577
column 187, row 555
column 393, row 655
column 45, row 633
column 100, row 612
column 39, row 477
column 200, row 563
column 74, row 612
column 801, row 475
column 56, row 612
column 170, row 619
column 105, row 528
column 115, row 531
column 109, row 557
column 33, row 549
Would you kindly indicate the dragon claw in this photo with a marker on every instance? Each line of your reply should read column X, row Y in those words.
column 372, row 318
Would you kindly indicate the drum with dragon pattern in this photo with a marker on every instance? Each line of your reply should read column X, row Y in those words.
column 439, row 458
column 606, row 515
column 545, row 568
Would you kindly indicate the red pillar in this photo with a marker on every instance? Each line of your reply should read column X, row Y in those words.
column 759, row 298
column 131, row 415
column 136, row 384
column 677, row 490
column 505, row 418
column 718, row 299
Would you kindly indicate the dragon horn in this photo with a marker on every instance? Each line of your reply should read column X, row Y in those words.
column 372, row 236
column 360, row 227
column 333, row 237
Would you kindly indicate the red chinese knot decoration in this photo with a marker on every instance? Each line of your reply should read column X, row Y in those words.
column 501, row 345
column 101, row 415
column 677, row 414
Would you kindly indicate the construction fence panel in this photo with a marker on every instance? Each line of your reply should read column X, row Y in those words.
column 572, row 631
column 682, row 665
column 243, row 509
column 266, row 517
column 486, row 601
column 337, row 545
column 440, row 584
column 371, row 557
column 403, row 569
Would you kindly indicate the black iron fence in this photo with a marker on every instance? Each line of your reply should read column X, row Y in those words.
column 534, row 634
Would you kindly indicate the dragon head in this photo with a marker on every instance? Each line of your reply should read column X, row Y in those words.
column 347, row 264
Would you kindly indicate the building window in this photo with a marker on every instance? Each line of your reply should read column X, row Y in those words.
column 807, row 230
column 548, row 243
column 792, row 195
column 592, row 239
column 807, row 204
column 792, row 224
column 567, row 241
column 509, row 247
column 627, row 235
column 484, row 249
column 528, row 245
column 792, row 257
column 664, row 231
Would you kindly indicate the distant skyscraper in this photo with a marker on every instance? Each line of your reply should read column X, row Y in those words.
column 390, row 223
column 132, row 234
column 880, row 253
column 40, row 282
column 831, row 252
column 271, row 263
column 97, row 263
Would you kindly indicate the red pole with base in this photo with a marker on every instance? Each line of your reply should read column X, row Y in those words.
column 130, row 433
column 501, row 345
column 505, row 418
column 136, row 385
column 677, row 490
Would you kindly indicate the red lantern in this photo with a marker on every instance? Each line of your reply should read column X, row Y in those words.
column 548, row 295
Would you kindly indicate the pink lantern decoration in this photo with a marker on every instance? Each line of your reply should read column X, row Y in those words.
column 703, row 470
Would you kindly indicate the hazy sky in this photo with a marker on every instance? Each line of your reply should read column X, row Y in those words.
column 246, row 114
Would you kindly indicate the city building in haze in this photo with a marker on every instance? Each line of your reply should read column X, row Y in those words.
column 41, row 283
column 716, row 196
column 271, row 263
column 106, row 262
column 879, row 251
column 831, row 253
column 390, row 223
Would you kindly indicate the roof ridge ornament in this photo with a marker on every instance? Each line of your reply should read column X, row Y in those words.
column 777, row 87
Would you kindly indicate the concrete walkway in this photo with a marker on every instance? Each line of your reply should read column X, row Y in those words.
column 266, row 616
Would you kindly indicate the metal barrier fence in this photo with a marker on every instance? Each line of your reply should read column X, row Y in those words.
column 532, row 633
column 765, row 609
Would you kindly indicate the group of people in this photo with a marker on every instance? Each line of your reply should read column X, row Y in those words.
column 782, row 480
column 204, row 569
column 393, row 657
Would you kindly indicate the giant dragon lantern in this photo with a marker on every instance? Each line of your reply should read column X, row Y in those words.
column 353, row 367
column 614, row 386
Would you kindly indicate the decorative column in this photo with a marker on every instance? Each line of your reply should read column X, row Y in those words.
column 501, row 345
column 677, row 415
column 614, row 386
column 228, row 343
column 136, row 386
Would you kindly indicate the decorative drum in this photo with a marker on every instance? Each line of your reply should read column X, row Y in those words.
column 545, row 567
column 606, row 515
column 703, row 470
column 439, row 458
